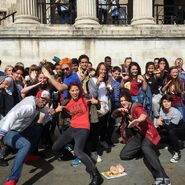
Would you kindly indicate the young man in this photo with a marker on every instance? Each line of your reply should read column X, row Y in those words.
column 108, row 64
column 113, row 86
column 142, row 136
column 17, row 132
column 83, row 73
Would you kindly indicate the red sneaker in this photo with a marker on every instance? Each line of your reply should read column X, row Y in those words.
column 12, row 182
column 30, row 158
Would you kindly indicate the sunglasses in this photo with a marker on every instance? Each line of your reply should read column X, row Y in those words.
column 65, row 69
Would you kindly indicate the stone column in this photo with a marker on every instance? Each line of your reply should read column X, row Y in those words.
column 26, row 12
column 142, row 12
column 86, row 14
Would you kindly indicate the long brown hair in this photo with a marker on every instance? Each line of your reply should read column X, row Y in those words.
column 176, row 83
column 81, row 94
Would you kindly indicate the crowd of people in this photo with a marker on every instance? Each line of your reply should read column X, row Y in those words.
column 88, row 105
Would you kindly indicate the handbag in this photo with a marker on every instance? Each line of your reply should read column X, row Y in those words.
column 104, row 109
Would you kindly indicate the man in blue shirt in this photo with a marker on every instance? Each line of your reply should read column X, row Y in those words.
column 69, row 76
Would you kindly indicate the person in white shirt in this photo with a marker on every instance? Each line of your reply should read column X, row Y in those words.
column 15, row 130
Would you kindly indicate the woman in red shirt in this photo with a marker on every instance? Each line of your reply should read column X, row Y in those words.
column 142, row 137
column 134, row 81
column 78, row 130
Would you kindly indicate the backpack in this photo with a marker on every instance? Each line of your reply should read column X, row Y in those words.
column 7, row 102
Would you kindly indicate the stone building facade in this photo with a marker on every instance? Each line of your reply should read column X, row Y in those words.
column 29, row 40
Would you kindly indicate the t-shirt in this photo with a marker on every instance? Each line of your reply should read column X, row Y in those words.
column 173, row 116
column 133, row 87
column 79, row 113
column 73, row 77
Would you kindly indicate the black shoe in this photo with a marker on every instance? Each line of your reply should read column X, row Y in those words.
column 96, row 178
column 3, row 162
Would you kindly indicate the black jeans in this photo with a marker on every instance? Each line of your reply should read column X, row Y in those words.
column 139, row 144
column 80, row 136
column 174, row 135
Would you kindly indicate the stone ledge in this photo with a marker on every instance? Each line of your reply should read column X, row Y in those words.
column 106, row 31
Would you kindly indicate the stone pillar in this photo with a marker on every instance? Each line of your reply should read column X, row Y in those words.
column 26, row 12
column 142, row 12
column 86, row 14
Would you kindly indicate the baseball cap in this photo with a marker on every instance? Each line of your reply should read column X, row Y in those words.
column 43, row 94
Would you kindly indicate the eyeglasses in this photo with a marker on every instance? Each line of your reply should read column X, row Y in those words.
column 65, row 69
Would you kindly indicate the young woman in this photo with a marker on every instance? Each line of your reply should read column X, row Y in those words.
column 8, row 70
column 98, row 89
column 142, row 137
column 153, row 83
column 79, row 130
column 134, row 81
column 170, row 126
column 125, row 65
column 173, row 86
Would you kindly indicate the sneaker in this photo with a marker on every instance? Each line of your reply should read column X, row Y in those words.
column 11, row 182
column 162, row 181
column 76, row 162
column 99, row 159
column 175, row 158
column 167, row 181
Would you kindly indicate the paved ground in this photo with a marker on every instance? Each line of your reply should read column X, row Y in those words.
column 49, row 171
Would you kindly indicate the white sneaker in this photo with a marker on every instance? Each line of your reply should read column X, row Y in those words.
column 175, row 158
column 99, row 159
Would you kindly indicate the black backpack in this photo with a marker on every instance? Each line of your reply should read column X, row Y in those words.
column 7, row 102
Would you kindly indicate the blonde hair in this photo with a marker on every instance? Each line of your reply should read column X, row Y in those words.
column 7, row 67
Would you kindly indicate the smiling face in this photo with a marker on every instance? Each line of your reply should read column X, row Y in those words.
column 134, row 71
column 150, row 69
column 66, row 69
column 42, row 78
column 116, row 74
column 17, row 75
column 174, row 73
column 125, row 104
column 74, row 92
column 166, row 104
column 84, row 64
column 102, row 71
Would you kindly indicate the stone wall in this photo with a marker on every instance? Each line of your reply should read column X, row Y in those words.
column 32, row 44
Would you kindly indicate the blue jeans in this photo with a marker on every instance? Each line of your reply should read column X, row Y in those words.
column 17, row 142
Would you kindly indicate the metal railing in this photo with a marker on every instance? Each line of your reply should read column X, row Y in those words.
column 5, row 17
column 50, row 13
column 169, row 14
column 112, row 13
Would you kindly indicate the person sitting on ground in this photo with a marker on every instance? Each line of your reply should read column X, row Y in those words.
column 170, row 126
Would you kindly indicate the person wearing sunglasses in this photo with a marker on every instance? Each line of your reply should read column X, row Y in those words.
column 69, row 75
